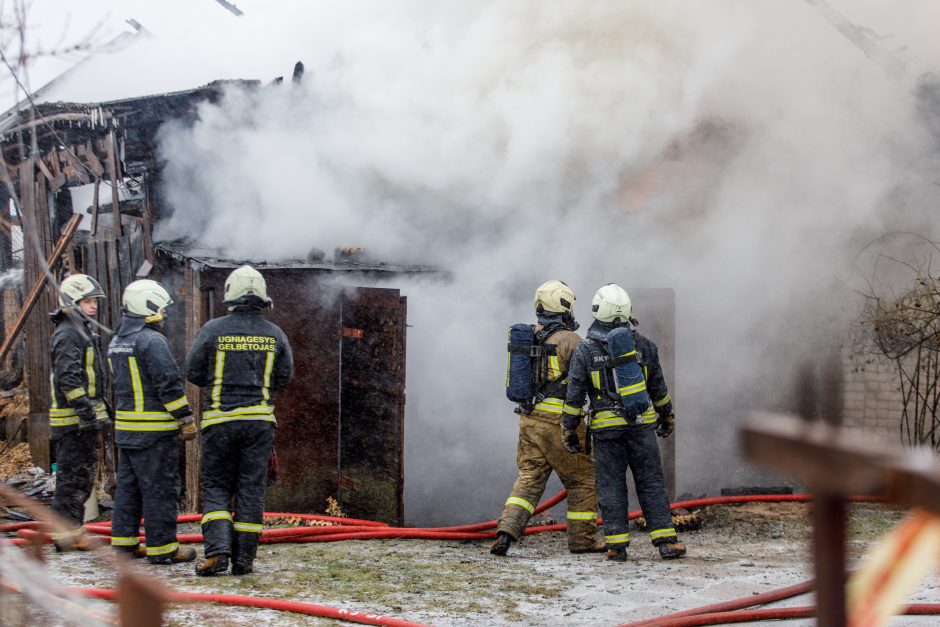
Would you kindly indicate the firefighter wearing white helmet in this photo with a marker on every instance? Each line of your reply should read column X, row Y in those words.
column 622, row 441
column 77, row 411
column 241, row 358
column 151, row 412
column 539, row 449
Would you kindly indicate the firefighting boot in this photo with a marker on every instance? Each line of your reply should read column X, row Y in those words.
column 502, row 543
column 181, row 555
column 75, row 540
column 671, row 550
column 135, row 552
column 214, row 565
column 243, row 556
column 598, row 547
column 617, row 553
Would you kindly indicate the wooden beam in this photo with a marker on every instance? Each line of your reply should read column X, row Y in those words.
column 94, row 164
column 115, row 181
column 832, row 460
column 34, row 294
column 74, row 164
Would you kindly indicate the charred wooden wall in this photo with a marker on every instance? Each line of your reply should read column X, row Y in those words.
column 341, row 421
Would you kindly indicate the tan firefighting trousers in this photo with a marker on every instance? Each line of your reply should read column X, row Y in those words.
column 541, row 451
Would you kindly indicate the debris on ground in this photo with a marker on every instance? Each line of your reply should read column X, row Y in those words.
column 14, row 461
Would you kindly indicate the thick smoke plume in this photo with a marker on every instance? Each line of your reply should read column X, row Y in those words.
column 740, row 153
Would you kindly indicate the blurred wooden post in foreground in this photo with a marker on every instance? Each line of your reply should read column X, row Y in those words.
column 834, row 464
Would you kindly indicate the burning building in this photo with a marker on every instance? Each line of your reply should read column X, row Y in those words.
column 340, row 422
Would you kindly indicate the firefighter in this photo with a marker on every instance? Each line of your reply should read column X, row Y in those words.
column 539, row 449
column 622, row 442
column 151, row 411
column 241, row 358
column 78, row 412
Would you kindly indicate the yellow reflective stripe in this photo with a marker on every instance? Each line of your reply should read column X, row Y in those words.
column 521, row 502
column 162, row 550
column 217, row 382
column 121, row 425
column 177, row 404
column 214, row 421
column 633, row 352
column 554, row 368
column 662, row 401
column 268, row 368
column 63, row 422
column 64, row 412
column 596, row 379
column 116, row 541
column 253, row 410
column 571, row 411
column 551, row 405
column 582, row 515
column 135, row 384
column 143, row 415
column 249, row 527
column 636, row 388
column 607, row 419
column 73, row 394
column 618, row 538
column 649, row 415
column 90, row 370
column 663, row 533
column 216, row 515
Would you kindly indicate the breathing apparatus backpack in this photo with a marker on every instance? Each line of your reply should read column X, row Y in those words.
column 629, row 381
column 527, row 366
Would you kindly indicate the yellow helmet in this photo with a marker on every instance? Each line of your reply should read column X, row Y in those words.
column 554, row 296
column 246, row 286
column 76, row 287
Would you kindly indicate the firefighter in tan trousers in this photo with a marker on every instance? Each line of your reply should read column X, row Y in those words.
column 540, row 451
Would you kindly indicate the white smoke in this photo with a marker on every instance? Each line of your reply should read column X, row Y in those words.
column 740, row 153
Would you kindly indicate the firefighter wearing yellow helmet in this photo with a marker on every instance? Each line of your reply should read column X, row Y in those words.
column 539, row 449
column 622, row 439
column 77, row 411
column 151, row 412
column 241, row 358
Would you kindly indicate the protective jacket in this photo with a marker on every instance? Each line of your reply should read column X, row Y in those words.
column 241, row 358
column 77, row 378
column 551, row 392
column 148, row 387
column 591, row 375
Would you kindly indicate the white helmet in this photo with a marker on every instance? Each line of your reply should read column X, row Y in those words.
column 246, row 286
column 75, row 287
column 146, row 299
column 554, row 296
column 611, row 303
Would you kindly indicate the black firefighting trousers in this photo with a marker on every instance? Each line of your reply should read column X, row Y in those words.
column 234, row 464
column 148, row 484
column 76, row 465
column 633, row 448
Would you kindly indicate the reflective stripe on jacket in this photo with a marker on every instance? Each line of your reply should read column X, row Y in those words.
column 241, row 358
column 148, row 387
column 565, row 341
column 76, row 378
column 590, row 377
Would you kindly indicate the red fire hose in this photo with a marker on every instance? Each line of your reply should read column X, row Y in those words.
column 354, row 529
column 300, row 607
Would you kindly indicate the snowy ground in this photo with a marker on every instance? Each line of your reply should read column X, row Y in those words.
column 739, row 550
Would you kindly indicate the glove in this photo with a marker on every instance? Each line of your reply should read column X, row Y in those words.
column 187, row 428
column 90, row 424
column 665, row 425
column 569, row 437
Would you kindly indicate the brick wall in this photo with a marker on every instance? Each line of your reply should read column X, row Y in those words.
column 872, row 392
